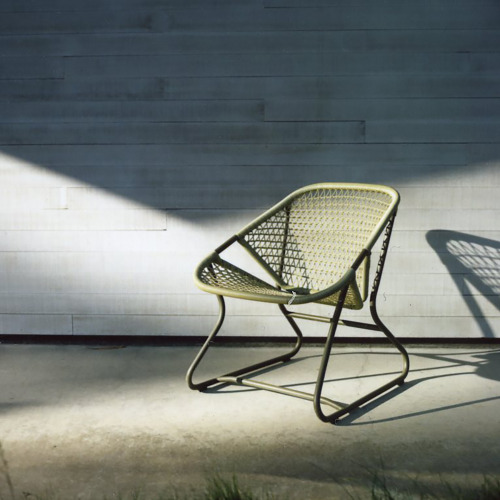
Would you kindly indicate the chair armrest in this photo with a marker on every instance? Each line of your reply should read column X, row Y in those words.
column 227, row 244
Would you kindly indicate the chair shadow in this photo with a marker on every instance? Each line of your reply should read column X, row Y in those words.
column 269, row 369
column 471, row 261
column 486, row 366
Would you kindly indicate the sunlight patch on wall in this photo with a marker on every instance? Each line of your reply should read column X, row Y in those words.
column 34, row 198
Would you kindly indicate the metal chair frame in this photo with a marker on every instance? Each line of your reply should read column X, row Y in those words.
column 238, row 377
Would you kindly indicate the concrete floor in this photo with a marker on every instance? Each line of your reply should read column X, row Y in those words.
column 87, row 422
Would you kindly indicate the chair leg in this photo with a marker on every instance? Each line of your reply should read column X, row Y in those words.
column 324, row 362
column 189, row 376
column 373, row 303
column 397, row 381
column 395, row 342
column 201, row 386
column 335, row 416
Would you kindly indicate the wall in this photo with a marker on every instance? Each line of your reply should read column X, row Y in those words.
column 136, row 135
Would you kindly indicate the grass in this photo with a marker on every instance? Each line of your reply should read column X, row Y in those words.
column 221, row 488
column 217, row 488
column 381, row 490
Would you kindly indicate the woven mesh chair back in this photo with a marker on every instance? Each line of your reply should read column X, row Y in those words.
column 311, row 241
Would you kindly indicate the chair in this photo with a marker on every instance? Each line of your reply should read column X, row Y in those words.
column 315, row 245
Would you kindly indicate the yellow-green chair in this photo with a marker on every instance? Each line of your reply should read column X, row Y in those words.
column 315, row 246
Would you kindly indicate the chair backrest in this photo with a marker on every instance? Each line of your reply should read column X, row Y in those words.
column 311, row 238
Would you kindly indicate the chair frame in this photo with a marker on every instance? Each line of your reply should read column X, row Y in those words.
column 238, row 377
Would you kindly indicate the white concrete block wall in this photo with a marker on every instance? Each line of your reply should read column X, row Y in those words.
column 136, row 135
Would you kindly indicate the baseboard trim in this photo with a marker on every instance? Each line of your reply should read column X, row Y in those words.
column 178, row 340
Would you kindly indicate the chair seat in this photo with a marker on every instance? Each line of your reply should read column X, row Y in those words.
column 223, row 278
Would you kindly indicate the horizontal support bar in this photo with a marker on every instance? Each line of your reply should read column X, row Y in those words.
column 359, row 324
column 311, row 317
column 256, row 384
column 247, row 369
column 326, row 319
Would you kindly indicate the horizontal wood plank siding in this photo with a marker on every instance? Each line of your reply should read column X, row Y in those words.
column 136, row 135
